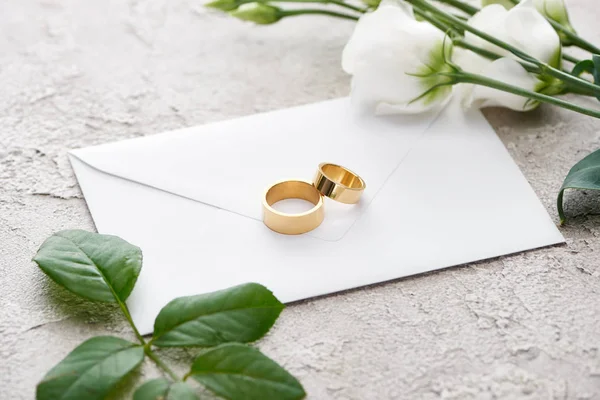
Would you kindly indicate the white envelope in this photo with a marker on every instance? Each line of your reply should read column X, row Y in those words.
column 438, row 194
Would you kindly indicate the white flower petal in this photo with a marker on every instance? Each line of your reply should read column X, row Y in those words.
column 522, row 27
column 469, row 61
column 553, row 9
column 491, row 21
column 380, row 26
column 387, row 48
column 530, row 31
column 508, row 71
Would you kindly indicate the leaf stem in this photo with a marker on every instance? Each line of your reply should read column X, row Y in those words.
column 147, row 348
column 125, row 310
column 466, row 77
column 289, row 13
column 151, row 355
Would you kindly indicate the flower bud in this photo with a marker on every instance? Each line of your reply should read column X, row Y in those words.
column 506, row 3
column 371, row 3
column 555, row 10
column 225, row 5
column 258, row 13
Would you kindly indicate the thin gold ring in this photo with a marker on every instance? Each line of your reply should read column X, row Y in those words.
column 339, row 183
column 292, row 224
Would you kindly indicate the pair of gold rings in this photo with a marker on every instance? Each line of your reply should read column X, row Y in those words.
column 331, row 180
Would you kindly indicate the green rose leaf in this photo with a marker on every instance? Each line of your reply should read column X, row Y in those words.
column 97, row 267
column 163, row 389
column 243, row 313
column 240, row 372
column 91, row 370
column 584, row 175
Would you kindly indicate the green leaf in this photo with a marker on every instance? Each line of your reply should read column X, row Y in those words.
column 591, row 67
column 91, row 370
column 584, row 175
column 596, row 72
column 241, row 313
column 163, row 389
column 240, row 372
column 97, row 267
column 583, row 66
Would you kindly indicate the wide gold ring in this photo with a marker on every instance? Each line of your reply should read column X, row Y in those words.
column 339, row 183
column 292, row 224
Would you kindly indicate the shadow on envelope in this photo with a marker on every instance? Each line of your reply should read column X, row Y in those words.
column 440, row 192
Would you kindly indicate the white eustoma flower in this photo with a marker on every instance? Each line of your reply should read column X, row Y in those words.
column 387, row 49
column 522, row 27
column 555, row 10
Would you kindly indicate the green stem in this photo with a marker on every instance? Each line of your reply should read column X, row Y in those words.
column 465, row 77
column 290, row 13
column 570, row 58
column 574, row 38
column 346, row 5
column 336, row 2
column 125, row 310
column 581, row 92
column 425, row 6
column 433, row 21
column 573, row 81
column 161, row 364
column 460, row 42
column 459, row 5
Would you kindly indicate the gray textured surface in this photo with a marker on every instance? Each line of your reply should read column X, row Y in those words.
column 75, row 73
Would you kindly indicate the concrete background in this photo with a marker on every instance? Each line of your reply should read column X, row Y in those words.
column 76, row 73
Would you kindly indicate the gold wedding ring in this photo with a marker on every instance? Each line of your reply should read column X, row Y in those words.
column 292, row 224
column 339, row 183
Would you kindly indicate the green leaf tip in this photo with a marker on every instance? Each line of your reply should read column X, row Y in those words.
column 240, row 372
column 98, row 267
column 91, row 370
column 584, row 175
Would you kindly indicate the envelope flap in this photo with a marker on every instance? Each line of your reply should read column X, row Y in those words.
column 229, row 164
